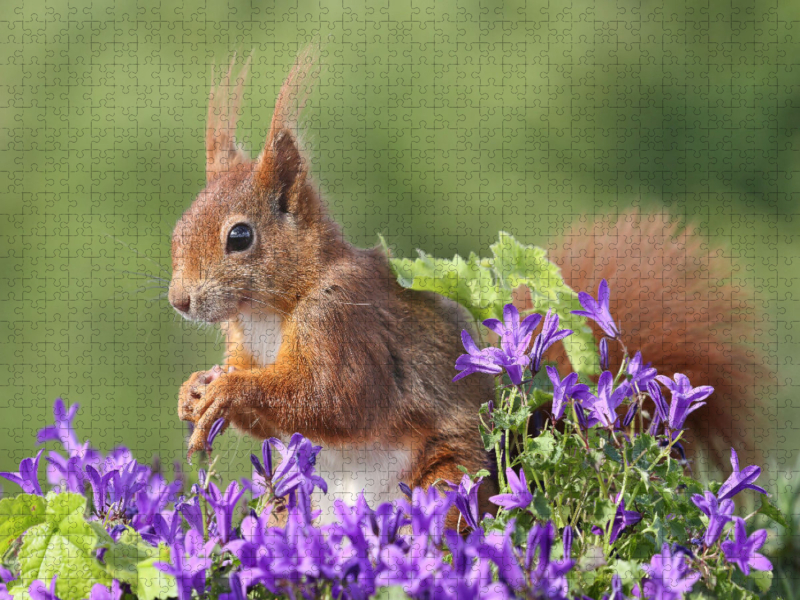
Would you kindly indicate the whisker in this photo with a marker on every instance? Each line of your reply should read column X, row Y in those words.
column 262, row 291
column 267, row 304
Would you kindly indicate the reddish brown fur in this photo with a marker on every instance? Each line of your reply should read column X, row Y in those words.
column 362, row 359
column 365, row 360
column 675, row 301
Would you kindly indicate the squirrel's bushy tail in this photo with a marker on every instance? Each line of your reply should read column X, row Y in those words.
column 676, row 301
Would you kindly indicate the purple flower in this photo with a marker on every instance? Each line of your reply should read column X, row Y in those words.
column 604, row 354
column 428, row 511
column 297, row 468
column 549, row 335
column 622, row 519
column 565, row 390
column 662, row 408
column 62, row 430
column 515, row 339
column 152, row 500
column 742, row 550
column 520, row 496
column 27, row 477
column 641, row 374
column 685, row 399
column 630, row 414
column 262, row 474
column 548, row 577
column 99, row 485
column 165, row 531
column 124, row 483
column 216, row 429
column 264, row 471
column 192, row 512
column 598, row 311
column 668, row 576
column 603, row 407
column 718, row 513
column 188, row 565
column 489, row 360
column 739, row 480
column 616, row 589
column 224, row 506
column 101, row 592
column 38, row 590
column 466, row 500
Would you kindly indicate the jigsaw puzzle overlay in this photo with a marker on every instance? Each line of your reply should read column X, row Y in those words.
column 434, row 125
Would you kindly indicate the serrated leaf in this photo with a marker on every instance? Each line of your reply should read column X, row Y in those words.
column 19, row 592
column 763, row 579
column 153, row 583
column 518, row 264
column 539, row 398
column 394, row 592
column 628, row 570
column 64, row 544
column 490, row 438
column 604, row 511
column 17, row 515
column 124, row 556
column 540, row 507
column 773, row 512
column 658, row 530
column 468, row 282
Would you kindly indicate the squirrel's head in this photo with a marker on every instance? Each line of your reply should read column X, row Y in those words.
column 255, row 237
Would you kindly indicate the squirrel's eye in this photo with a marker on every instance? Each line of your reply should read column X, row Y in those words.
column 240, row 238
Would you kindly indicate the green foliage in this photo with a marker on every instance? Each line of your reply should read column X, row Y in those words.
column 580, row 478
column 63, row 544
column 484, row 286
column 131, row 560
column 17, row 515
column 58, row 540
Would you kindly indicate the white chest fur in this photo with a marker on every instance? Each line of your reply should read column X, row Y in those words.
column 371, row 467
column 262, row 335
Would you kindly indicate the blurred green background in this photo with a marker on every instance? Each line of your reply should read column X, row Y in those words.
column 436, row 124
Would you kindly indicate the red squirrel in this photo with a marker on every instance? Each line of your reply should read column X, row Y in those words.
column 322, row 340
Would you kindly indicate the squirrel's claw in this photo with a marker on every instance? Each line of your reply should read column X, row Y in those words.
column 217, row 408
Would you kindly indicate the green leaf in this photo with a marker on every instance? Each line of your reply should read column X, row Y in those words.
column 658, row 530
column 628, row 570
column 468, row 282
column 763, row 579
column 604, row 511
column 17, row 515
column 517, row 264
column 64, row 544
column 152, row 582
column 394, row 592
column 539, row 398
column 19, row 592
column 124, row 556
column 490, row 438
column 773, row 512
column 539, row 506
column 484, row 286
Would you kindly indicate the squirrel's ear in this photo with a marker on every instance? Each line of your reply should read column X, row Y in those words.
column 281, row 167
column 222, row 153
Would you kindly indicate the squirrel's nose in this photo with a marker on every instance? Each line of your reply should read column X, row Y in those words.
column 180, row 299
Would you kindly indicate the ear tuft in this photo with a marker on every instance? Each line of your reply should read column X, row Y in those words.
column 222, row 153
column 281, row 166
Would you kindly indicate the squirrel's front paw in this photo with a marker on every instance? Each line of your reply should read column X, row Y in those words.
column 194, row 397
column 202, row 402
